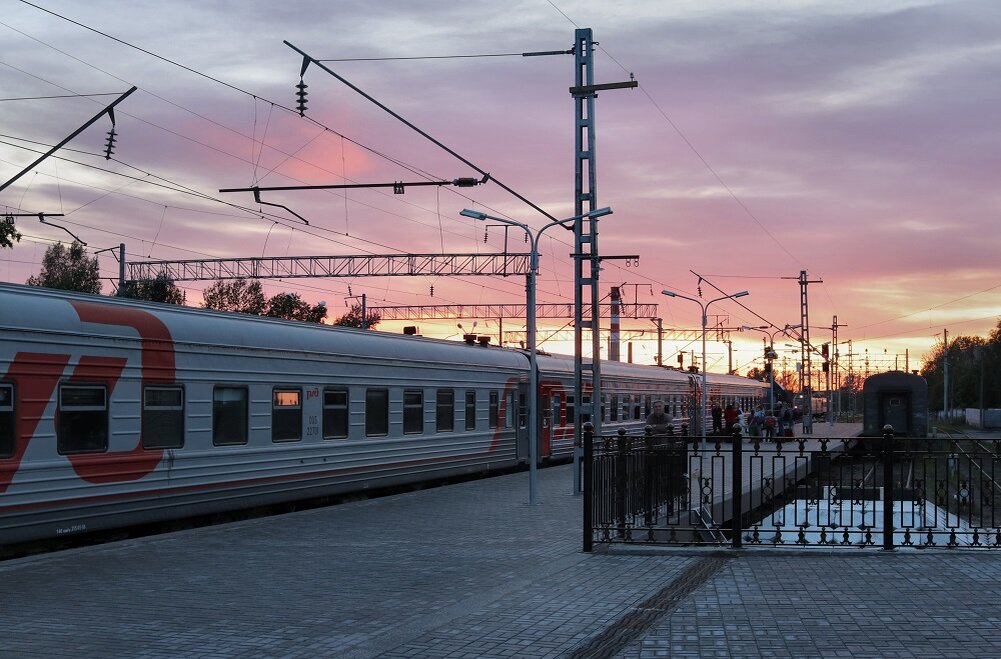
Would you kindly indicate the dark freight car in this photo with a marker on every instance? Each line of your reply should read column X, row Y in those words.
column 898, row 399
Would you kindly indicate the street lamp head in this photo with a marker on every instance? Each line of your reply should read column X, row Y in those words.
column 740, row 294
column 599, row 212
column 668, row 293
column 476, row 215
column 796, row 326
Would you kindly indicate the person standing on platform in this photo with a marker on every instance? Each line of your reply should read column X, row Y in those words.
column 769, row 425
column 717, row 413
column 660, row 421
column 788, row 421
column 730, row 418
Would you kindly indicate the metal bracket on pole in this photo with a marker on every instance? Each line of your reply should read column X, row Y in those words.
column 41, row 218
column 106, row 110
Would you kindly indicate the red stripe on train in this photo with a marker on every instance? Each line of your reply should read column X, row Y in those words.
column 35, row 376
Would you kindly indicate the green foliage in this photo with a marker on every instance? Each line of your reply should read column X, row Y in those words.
column 291, row 307
column 353, row 318
column 974, row 367
column 161, row 289
column 239, row 295
column 8, row 232
column 68, row 270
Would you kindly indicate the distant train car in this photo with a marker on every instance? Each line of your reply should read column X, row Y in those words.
column 897, row 399
column 116, row 412
column 818, row 405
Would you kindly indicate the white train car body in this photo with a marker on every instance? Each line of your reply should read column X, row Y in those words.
column 121, row 412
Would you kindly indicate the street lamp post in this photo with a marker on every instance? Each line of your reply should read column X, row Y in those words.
column 771, row 357
column 530, row 313
column 705, row 382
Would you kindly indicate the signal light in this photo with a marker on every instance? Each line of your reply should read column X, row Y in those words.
column 681, row 359
column 302, row 94
column 109, row 148
column 825, row 350
column 827, row 367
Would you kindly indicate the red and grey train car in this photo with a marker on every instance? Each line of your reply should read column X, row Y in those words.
column 117, row 412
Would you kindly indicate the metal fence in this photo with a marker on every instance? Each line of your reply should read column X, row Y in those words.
column 807, row 492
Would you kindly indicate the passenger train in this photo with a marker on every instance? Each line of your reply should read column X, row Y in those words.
column 117, row 412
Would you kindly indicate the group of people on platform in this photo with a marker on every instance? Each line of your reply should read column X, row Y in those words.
column 758, row 423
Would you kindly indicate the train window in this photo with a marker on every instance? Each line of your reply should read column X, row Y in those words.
column 636, row 407
column 557, row 403
column 509, row 409
column 229, row 416
column 376, row 412
column 615, row 408
column 335, row 413
column 585, row 409
column 494, row 407
column 163, row 417
column 571, row 418
column 647, row 406
column 286, row 415
column 6, row 420
column 445, row 410
column 470, row 409
column 413, row 411
column 83, row 419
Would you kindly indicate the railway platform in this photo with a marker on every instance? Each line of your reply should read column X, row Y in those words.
column 471, row 570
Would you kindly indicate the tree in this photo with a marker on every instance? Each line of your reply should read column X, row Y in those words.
column 353, row 318
column 8, row 232
column 240, row 295
column 68, row 269
column 161, row 289
column 974, row 365
column 291, row 307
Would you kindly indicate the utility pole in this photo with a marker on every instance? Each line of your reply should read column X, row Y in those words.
column 613, row 335
column 364, row 310
column 660, row 340
column 584, row 92
column 832, row 372
column 805, row 350
column 945, row 373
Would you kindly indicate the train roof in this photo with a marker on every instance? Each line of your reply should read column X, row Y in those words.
column 565, row 364
column 35, row 309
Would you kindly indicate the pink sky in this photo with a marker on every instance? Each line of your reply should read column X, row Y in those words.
column 854, row 140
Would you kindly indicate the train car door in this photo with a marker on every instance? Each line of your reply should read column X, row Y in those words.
column 895, row 412
column 521, row 422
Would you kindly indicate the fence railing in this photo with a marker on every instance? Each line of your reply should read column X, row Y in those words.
column 806, row 492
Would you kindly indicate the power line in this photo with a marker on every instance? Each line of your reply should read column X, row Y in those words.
column 692, row 147
column 228, row 85
column 323, row 127
column 41, row 98
column 389, row 59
